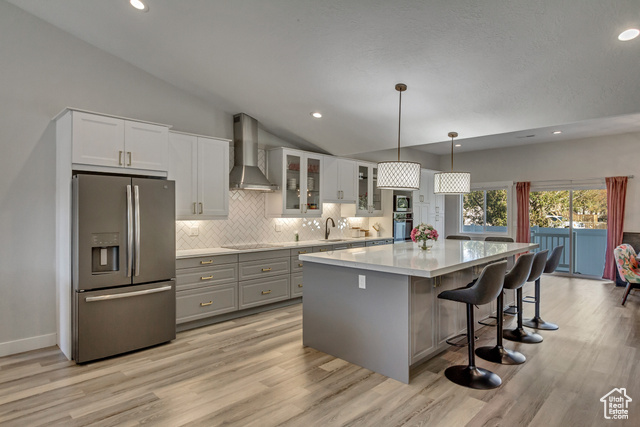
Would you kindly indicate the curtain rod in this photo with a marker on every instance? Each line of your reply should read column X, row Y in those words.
column 575, row 180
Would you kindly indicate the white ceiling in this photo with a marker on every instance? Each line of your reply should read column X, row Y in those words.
column 491, row 70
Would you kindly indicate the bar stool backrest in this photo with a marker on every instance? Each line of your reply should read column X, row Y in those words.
column 489, row 284
column 456, row 237
column 554, row 259
column 498, row 239
column 517, row 277
column 539, row 261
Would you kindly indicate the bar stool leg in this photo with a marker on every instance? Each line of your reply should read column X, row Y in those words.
column 536, row 322
column 519, row 334
column 470, row 375
column 499, row 354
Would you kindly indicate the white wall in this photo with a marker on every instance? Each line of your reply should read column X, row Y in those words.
column 581, row 159
column 44, row 70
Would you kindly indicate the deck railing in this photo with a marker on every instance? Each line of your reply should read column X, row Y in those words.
column 589, row 248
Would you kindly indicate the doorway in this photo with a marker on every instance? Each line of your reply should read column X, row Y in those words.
column 575, row 218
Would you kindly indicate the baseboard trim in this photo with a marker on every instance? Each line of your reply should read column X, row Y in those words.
column 27, row 344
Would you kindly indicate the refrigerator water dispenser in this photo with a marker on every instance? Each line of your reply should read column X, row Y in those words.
column 105, row 252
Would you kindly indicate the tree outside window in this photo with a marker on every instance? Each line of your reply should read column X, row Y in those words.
column 485, row 211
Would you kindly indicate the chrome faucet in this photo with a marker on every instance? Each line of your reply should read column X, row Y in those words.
column 326, row 227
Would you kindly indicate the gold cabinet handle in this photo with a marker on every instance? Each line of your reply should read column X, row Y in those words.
column 266, row 292
column 323, row 250
column 300, row 264
column 299, row 285
column 129, row 154
column 201, row 208
column 206, row 262
column 194, row 208
column 206, row 278
column 302, row 252
column 204, row 304
column 120, row 158
column 266, row 269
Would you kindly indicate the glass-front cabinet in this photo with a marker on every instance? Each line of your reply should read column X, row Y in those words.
column 369, row 195
column 298, row 173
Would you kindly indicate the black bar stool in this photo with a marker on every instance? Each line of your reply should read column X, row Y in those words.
column 456, row 237
column 510, row 310
column 519, row 334
column 515, row 279
column 483, row 291
column 536, row 322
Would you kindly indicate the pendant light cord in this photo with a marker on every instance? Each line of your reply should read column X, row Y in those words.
column 451, row 154
column 399, row 119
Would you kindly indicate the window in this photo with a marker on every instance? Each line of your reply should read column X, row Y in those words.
column 485, row 211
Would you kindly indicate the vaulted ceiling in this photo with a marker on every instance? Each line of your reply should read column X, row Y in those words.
column 492, row 70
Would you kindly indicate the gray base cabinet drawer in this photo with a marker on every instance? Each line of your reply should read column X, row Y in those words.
column 325, row 248
column 357, row 245
column 264, row 268
column 263, row 291
column 301, row 251
column 376, row 243
column 296, row 285
column 296, row 264
column 255, row 256
column 196, row 277
column 204, row 302
column 205, row 261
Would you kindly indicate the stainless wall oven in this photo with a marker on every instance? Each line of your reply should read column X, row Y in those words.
column 402, row 226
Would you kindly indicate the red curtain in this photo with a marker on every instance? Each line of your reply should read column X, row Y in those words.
column 616, row 195
column 522, row 192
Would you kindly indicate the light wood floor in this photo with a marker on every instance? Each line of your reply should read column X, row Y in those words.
column 255, row 372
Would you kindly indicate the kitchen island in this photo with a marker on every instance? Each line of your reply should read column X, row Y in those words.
column 377, row 307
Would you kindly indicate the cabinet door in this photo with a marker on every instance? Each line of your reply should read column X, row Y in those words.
column 347, row 176
column 146, row 146
column 422, row 318
column 183, row 168
column 292, row 186
column 363, row 205
column 97, row 140
column 331, row 192
column 376, row 193
column 213, row 177
column 312, row 184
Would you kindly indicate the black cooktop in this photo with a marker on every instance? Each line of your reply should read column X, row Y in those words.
column 249, row 246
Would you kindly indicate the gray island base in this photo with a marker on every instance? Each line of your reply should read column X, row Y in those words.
column 378, row 307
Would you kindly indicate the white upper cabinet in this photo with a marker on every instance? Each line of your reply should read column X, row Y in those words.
column 299, row 176
column 200, row 167
column 339, row 178
column 428, row 207
column 112, row 142
column 369, row 196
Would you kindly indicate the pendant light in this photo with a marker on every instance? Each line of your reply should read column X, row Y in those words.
column 452, row 182
column 399, row 175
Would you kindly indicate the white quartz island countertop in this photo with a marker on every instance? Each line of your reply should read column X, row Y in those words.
column 446, row 256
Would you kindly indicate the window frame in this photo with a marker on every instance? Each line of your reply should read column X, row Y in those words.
column 488, row 186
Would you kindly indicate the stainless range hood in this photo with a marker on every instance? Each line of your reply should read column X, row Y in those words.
column 245, row 174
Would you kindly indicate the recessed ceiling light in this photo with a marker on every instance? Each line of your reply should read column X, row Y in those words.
column 629, row 34
column 557, row 132
column 458, row 145
column 139, row 5
column 316, row 115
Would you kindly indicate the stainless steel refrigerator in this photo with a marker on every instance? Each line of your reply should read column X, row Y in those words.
column 123, row 268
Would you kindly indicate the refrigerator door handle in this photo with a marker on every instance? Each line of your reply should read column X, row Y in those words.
column 129, row 232
column 128, row 294
column 136, row 197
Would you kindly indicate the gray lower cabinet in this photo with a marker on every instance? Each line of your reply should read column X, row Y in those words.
column 296, row 285
column 199, row 303
column 263, row 291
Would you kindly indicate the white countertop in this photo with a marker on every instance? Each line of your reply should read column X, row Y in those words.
column 191, row 253
column 408, row 259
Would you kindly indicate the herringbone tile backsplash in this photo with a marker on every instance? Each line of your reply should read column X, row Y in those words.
column 247, row 223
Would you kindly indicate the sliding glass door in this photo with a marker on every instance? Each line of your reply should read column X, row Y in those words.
column 575, row 218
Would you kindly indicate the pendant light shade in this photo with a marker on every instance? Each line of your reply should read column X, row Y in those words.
column 452, row 182
column 399, row 175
